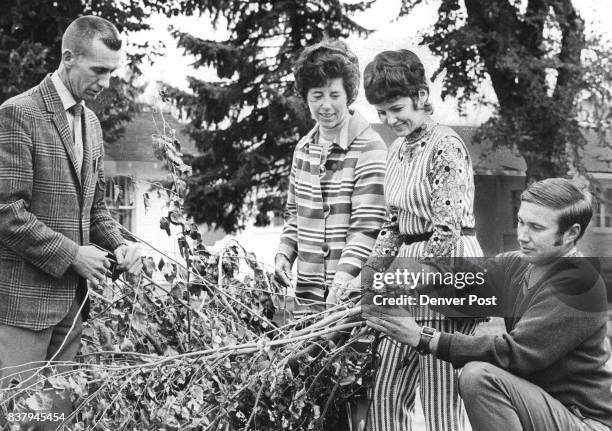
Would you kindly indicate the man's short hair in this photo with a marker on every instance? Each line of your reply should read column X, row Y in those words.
column 326, row 60
column 394, row 74
column 573, row 204
column 82, row 31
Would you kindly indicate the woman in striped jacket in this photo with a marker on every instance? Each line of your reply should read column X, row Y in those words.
column 429, row 189
column 335, row 202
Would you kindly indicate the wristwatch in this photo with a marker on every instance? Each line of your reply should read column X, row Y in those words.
column 427, row 334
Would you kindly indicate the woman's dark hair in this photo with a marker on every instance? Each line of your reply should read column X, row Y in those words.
column 395, row 74
column 326, row 60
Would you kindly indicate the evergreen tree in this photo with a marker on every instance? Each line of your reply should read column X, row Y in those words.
column 247, row 123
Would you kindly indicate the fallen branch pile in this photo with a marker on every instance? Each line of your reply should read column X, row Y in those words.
column 202, row 342
column 154, row 360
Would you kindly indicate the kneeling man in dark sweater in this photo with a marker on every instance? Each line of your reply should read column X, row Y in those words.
column 551, row 369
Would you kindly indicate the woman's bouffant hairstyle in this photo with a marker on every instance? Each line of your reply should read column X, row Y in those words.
column 395, row 74
column 326, row 60
column 573, row 204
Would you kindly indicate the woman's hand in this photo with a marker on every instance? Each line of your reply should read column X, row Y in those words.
column 282, row 271
column 353, row 286
column 397, row 324
column 337, row 293
column 341, row 291
column 332, row 299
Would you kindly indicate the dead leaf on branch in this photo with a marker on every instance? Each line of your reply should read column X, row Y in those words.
column 105, row 336
column 177, row 217
column 180, row 187
column 39, row 402
column 59, row 383
column 164, row 224
column 159, row 147
column 194, row 233
column 148, row 266
column 170, row 272
column 139, row 318
column 108, row 292
column 147, row 202
column 178, row 290
column 185, row 170
column 184, row 247
column 127, row 345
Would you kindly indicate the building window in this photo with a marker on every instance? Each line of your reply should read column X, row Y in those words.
column 602, row 214
column 120, row 198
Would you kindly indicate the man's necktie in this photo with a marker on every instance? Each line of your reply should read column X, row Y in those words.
column 77, row 133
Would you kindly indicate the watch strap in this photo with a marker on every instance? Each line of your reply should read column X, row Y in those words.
column 426, row 336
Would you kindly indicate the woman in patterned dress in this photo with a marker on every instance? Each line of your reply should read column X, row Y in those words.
column 429, row 189
column 335, row 202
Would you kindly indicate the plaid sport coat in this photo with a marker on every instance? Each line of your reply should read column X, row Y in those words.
column 46, row 210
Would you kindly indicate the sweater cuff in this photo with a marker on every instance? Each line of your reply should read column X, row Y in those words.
column 444, row 347
column 288, row 251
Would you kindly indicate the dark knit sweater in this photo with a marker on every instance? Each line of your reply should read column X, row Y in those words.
column 556, row 333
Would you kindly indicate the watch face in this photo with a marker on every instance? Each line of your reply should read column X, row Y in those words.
column 426, row 330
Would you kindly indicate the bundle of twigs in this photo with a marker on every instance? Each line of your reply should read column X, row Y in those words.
column 195, row 343
column 157, row 357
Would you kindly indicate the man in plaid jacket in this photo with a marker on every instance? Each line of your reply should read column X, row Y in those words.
column 52, row 204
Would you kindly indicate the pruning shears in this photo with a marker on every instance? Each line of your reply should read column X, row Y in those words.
column 114, row 267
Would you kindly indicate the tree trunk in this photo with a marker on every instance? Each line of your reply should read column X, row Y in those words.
column 541, row 121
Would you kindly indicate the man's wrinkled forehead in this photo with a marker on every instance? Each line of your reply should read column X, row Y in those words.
column 100, row 55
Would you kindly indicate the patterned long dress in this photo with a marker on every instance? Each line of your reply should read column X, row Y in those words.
column 429, row 187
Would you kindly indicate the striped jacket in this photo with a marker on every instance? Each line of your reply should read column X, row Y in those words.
column 335, row 210
column 46, row 210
